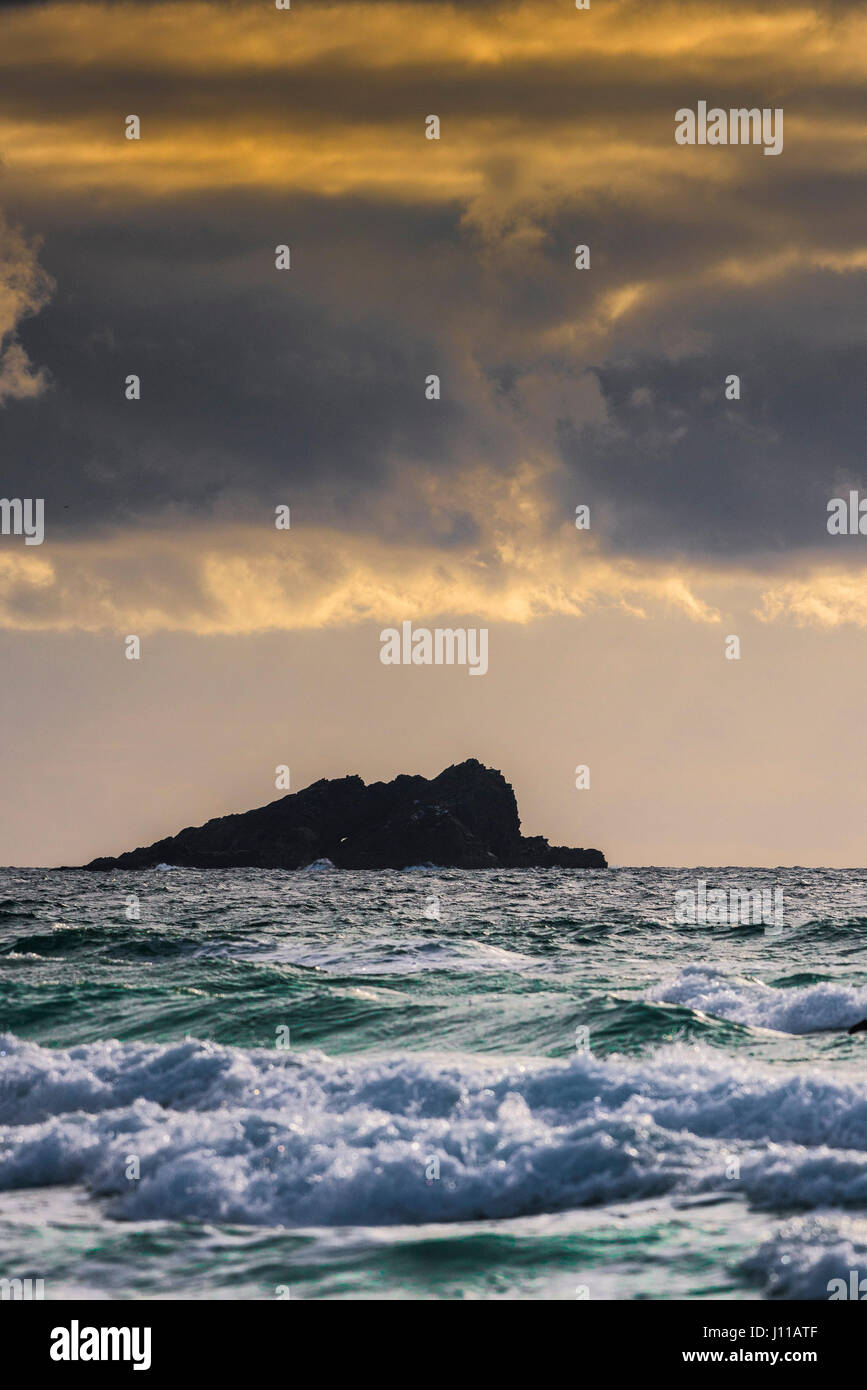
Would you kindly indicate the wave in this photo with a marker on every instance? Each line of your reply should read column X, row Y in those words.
column 407, row 955
column 297, row 1139
column 809, row 1009
column 802, row 1259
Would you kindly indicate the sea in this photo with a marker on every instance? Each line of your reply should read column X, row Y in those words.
column 430, row 1084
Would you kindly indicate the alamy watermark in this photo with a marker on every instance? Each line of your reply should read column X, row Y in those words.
column 856, row 1290
column 847, row 516
column 77, row 1343
column 728, row 906
column 23, row 516
column 21, row 1290
column 445, row 646
column 738, row 126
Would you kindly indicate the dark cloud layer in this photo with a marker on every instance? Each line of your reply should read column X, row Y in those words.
column 308, row 387
column 258, row 387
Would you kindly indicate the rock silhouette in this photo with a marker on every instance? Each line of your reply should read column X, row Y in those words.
column 466, row 818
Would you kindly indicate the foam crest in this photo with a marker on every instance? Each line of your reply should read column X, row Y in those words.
column 284, row 1138
column 806, row 1009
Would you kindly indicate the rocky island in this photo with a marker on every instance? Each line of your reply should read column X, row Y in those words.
column 466, row 818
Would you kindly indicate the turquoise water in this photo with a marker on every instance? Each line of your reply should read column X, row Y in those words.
column 429, row 1084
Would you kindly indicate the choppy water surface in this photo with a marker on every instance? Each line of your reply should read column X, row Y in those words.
column 496, row 1084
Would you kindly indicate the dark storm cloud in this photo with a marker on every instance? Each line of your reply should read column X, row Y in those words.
column 680, row 469
column 258, row 387
column 308, row 387
column 611, row 94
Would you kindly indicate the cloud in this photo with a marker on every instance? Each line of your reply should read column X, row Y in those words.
column 247, row 583
column 412, row 258
column 24, row 290
column 828, row 596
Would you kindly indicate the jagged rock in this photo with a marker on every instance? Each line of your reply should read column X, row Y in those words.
column 466, row 818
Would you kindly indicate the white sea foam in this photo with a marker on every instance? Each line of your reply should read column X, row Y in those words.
column 270, row 1137
column 803, row 1009
column 801, row 1259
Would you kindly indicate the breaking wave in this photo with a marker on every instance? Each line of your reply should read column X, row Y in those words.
column 807, row 1009
column 298, row 1139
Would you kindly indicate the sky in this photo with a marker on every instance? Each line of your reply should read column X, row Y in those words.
column 602, row 387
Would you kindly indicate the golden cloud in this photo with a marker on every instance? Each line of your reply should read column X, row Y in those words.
column 239, row 582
